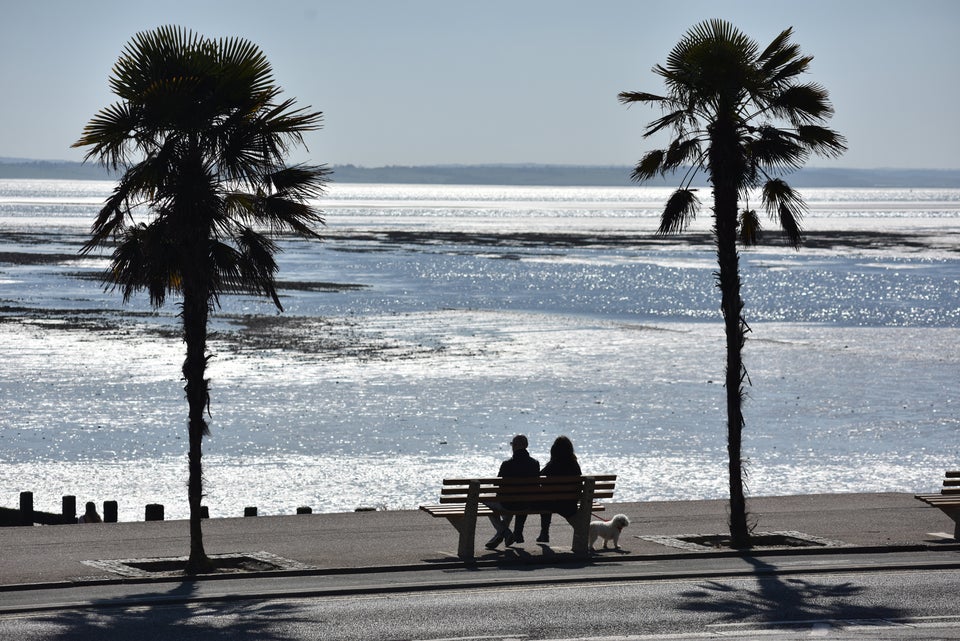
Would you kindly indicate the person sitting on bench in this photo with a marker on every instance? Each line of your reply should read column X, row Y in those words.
column 521, row 464
column 563, row 462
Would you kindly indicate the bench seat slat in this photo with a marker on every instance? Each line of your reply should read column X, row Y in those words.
column 530, row 489
column 939, row 499
column 446, row 510
column 527, row 487
column 532, row 497
column 543, row 480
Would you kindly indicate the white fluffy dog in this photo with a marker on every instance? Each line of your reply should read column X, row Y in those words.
column 608, row 530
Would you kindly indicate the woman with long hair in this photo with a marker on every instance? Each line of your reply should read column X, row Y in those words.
column 563, row 462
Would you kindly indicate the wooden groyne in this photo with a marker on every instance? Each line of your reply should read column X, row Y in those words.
column 27, row 515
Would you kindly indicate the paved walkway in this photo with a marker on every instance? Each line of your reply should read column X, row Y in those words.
column 367, row 541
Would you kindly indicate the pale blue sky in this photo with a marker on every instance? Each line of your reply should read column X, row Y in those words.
column 494, row 81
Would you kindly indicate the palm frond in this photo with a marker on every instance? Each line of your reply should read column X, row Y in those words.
column 682, row 152
column 680, row 210
column 779, row 51
column 246, row 266
column 628, row 97
column 776, row 149
column 786, row 206
column 675, row 119
column 108, row 135
column 791, row 69
column 802, row 104
column 790, row 225
column 649, row 166
column 749, row 227
column 146, row 259
column 822, row 141
column 258, row 267
column 285, row 214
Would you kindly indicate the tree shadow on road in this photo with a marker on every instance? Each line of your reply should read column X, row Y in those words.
column 174, row 614
column 783, row 599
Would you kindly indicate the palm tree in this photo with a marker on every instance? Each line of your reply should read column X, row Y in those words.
column 740, row 115
column 200, row 135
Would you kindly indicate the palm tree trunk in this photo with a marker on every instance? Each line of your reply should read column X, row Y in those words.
column 195, row 312
column 729, row 281
column 726, row 170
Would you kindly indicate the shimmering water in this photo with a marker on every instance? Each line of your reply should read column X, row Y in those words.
column 433, row 322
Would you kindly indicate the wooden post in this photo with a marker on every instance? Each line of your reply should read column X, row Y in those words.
column 26, row 508
column 250, row 511
column 581, row 520
column 109, row 511
column 204, row 512
column 68, row 508
column 468, row 524
column 153, row 512
column 304, row 510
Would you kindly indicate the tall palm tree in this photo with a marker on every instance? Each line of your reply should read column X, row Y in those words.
column 740, row 115
column 200, row 135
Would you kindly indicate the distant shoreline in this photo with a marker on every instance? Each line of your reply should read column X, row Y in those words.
column 524, row 174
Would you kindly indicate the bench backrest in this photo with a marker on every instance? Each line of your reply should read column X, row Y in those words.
column 534, row 488
column 951, row 484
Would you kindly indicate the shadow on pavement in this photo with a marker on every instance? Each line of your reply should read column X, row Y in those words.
column 170, row 615
column 778, row 598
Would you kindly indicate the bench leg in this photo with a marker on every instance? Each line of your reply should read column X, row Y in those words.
column 581, row 520
column 466, row 530
column 954, row 514
column 468, row 524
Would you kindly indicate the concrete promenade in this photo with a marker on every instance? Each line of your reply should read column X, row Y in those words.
column 382, row 541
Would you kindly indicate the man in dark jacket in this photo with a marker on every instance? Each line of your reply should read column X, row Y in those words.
column 521, row 464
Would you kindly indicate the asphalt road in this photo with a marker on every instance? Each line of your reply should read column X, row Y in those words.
column 888, row 596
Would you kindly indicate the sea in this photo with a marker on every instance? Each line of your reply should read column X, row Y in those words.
column 431, row 323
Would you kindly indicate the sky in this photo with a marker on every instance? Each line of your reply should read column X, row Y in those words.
column 419, row 82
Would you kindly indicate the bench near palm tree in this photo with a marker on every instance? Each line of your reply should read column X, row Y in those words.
column 739, row 114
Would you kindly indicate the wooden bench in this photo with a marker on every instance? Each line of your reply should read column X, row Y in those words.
column 463, row 500
column 948, row 499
